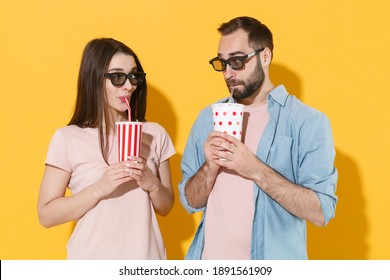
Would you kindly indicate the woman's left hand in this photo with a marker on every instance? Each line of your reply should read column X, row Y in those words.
column 141, row 173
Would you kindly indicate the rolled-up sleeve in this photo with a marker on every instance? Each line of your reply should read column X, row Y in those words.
column 193, row 157
column 316, row 163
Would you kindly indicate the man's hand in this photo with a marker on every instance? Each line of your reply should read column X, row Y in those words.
column 229, row 152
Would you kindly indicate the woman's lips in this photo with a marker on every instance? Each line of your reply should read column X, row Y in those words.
column 123, row 98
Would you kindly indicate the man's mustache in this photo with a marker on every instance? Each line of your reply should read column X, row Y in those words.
column 234, row 82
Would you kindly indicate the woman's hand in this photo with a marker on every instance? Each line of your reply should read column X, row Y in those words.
column 159, row 187
column 114, row 176
column 139, row 171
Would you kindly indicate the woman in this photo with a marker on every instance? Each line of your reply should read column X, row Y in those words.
column 114, row 203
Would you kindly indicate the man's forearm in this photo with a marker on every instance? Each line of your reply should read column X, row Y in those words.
column 298, row 200
column 199, row 186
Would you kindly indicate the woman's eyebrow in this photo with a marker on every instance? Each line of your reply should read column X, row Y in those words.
column 121, row 69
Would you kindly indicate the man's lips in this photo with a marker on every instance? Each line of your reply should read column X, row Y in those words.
column 233, row 83
column 232, row 86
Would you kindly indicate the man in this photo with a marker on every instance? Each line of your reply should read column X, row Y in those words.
column 257, row 194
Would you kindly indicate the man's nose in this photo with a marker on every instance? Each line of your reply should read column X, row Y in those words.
column 229, row 73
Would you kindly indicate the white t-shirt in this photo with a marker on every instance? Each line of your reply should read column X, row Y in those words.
column 124, row 225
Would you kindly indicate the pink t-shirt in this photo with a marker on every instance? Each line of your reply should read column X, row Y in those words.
column 230, row 206
column 124, row 225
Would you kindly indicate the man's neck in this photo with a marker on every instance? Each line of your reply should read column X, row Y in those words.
column 260, row 96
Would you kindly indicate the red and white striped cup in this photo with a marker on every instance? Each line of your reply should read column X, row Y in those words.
column 129, row 135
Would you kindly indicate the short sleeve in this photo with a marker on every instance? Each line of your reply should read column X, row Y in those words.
column 58, row 154
column 164, row 144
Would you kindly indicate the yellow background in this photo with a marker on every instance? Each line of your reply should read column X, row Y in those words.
column 334, row 55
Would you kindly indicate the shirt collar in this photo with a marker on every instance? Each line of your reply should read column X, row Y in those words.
column 279, row 94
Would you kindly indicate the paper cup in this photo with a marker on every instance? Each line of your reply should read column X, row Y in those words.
column 129, row 135
column 228, row 118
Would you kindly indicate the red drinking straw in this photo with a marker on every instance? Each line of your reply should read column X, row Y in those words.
column 128, row 109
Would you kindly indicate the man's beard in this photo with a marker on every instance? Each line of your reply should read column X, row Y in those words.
column 254, row 82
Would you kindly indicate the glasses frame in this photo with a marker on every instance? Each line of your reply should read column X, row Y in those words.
column 228, row 61
column 133, row 79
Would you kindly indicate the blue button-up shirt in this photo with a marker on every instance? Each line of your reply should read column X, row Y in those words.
column 297, row 142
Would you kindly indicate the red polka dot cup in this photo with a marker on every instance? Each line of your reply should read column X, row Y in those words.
column 227, row 117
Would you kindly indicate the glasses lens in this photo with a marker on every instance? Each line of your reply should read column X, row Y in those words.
column 236, row 63
column 218, row 64
column 118, row 79
column 137, row 78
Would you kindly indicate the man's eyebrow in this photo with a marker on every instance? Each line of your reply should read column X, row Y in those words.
column 234, row 53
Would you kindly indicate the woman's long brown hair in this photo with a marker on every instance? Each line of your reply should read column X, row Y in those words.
column 91, row 108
